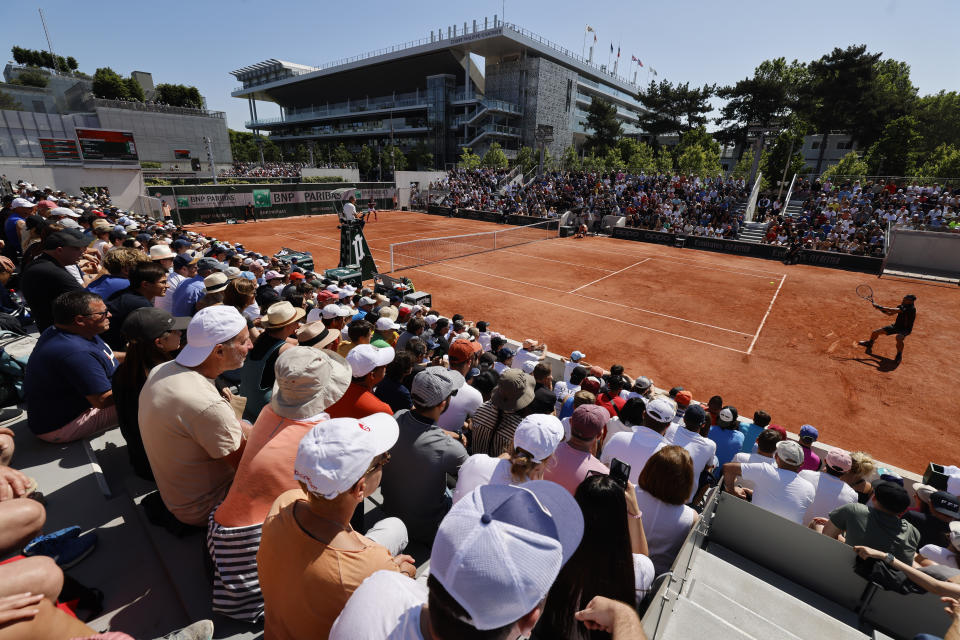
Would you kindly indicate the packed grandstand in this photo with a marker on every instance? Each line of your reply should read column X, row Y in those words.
column 269, row 405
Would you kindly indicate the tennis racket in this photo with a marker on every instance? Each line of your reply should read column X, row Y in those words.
column 866, row 292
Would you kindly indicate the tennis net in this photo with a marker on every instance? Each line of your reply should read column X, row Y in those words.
column 414, row 253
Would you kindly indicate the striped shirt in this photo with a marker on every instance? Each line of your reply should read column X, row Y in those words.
column 491, row 436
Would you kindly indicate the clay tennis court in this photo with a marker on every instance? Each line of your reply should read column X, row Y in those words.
column 762, row 335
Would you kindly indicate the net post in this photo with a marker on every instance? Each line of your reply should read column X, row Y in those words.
column 392, row 266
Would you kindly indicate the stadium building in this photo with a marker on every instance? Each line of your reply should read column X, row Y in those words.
column 467, row 85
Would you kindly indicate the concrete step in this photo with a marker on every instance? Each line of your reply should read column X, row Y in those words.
column 763, row 598
column 690, row 620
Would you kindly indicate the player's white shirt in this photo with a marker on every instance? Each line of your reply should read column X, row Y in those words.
column 349, row 212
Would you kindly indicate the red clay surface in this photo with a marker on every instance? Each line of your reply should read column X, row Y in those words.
column 692, row 318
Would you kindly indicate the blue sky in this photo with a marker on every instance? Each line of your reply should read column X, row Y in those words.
column 699, row 41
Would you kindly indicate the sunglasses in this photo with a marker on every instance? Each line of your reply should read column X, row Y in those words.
column 379, row 464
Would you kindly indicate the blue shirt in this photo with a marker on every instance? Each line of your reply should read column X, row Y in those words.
column 750, row 433
column 11, row 232
column 186, row 295
column 62, row 371
column 729, row 442
column 107, row 285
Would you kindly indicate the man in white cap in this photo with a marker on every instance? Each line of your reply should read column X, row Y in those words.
column 311, row 560
column 635, row 448
column 369, row 365
column 777, row 489
column 494, row 559
column 191, row 432
column 307, row 382
column 415, row 487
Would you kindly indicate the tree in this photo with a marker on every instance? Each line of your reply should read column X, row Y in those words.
column 365, row 160
column 526, row 159
column 245, row 147
column 896, row 97
column 31, row 78
column 613, row 160
column 696, row 160
column 842, row 94
column 109, row 84
column 850, row 165
column 592, row 162
column 494, row 158
column 420, row 157
column 72, row 63
column 134, row 90
column 602, row 120
column 468, row 159
column 342, row 155
column 664, row 162
column 674, row 109
column 785, row 153
column 9, row 103
column 764, row 100
column 179, row 95
column 742, row 169
column 637, row 156
column 570, row 160
column 938, row 120
column 897, row 152
column 394, row 159
column 944, row 162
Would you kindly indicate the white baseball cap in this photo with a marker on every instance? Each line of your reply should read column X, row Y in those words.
column 332, row 288
column 790, row 452
column 431, row 320
column 661, row 409
column 386, row 324
column 364, row 358
column 208, row 328
column 539, row 434
column 955, row 533
column 529, row 366
column 365, row 301
column 63, row 211
column 500, row 548
column 336, row 453
column 346, row 312
column 314, row 315
column 329, row 312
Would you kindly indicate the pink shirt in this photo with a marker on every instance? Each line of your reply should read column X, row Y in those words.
column 811, row 460
column 570, row 466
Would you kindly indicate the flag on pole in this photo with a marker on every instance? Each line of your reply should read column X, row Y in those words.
column 594, row 37
column 611, row 47
column 589, row 28
column 618, row 52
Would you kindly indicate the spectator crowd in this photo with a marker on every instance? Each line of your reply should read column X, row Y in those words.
column 263, row 170
column 267, row 404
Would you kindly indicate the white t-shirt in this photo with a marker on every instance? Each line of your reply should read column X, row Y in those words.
column 700, row 449
column 615, row 426
column 484, row 339
column 831, row 493
column 666, row 526
column 633, row 448
column 386, row 606
column 568, row 368
column 523, row 356
column 500, row 367
column 778, row 490
column 481, row 469
column 940, row 555
column 461, row 405
column 349, row 212
column 744, row 458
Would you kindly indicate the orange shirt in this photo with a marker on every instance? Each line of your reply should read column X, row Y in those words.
column 265, row 471
column 305, row 582
column 357, row 403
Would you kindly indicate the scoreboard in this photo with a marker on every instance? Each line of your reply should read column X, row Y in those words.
column 107, row 146
column 59, row 149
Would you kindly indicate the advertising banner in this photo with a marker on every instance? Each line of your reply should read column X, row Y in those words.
column 219, row 203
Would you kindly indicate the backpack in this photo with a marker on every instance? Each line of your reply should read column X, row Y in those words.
column 15, row 350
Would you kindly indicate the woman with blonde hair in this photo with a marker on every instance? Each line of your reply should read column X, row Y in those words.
column 534, row 443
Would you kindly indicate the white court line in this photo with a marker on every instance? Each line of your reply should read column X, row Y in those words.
column 607, row 276
column 699, row 263
column 581, row 295
column 757, row 334
column 572, row 264
column 589, row 313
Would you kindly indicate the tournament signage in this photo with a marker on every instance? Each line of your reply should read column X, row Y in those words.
column 209, row 203
column 181, row 154
column 107, row 146
column 59, row 149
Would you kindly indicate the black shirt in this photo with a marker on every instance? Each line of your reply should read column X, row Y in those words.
column 932, row 530
column 121, row 304
column 904, row 321
column 42, row 281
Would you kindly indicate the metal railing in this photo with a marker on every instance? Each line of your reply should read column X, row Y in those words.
column 752, row 201
column 403, row 101
column 156, row 107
